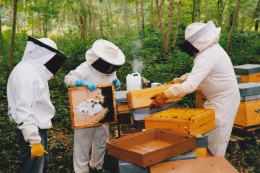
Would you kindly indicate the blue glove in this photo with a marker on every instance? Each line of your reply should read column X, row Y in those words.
column 89, row 84
column 116, row 83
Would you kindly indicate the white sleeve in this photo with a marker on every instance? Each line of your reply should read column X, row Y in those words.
column 75, row 74
column 27, row 94
column 203, row 65
column 201, row 69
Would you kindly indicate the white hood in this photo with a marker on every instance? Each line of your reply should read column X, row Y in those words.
column 43, row 55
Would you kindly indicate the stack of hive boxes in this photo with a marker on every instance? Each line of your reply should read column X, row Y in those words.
column 249, row 108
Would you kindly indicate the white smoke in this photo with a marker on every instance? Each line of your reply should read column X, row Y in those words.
column 137, row 66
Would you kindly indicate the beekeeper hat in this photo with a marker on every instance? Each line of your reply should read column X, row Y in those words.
column 105, row 56
column 199, row 36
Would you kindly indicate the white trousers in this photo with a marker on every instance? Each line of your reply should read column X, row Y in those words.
column 89, row 139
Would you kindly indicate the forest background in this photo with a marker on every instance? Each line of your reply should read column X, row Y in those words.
column 147, row 31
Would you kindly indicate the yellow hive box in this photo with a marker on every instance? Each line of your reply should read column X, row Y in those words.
column 185, row 120
column 248, row 113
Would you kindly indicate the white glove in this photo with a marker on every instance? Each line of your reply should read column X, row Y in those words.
column 181, row 79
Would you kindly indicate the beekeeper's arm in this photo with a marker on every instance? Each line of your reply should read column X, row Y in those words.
column 179, row 80
column 27, row 94
column 75, row 78
column 201, row 69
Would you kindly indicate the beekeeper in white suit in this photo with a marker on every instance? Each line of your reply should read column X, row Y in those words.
column 213, row 73
column 102, row 61
column 29, row 101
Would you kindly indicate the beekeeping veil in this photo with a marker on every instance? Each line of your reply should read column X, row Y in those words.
column 199, row 36
column 42, row 54
column 105, row 57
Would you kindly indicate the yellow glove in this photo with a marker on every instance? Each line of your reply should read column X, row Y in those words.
column 171, row 82
column 37, row 151
column 159, row 100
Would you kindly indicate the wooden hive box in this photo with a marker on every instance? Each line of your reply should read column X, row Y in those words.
column 104, row 96
column 192, row 121
column 248, row 72
column 248, row 113
column 138, row 99
column 151, row 146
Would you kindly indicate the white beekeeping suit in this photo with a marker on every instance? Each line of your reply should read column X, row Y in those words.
column 27, row 88
column 213, row 73
column 102, row 61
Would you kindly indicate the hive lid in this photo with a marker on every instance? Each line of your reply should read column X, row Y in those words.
column 247, row 69
column 120, row 97
column 248, row 89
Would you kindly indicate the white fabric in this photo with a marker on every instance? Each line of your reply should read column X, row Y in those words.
column 107, row 51
column 214, row 74
column 28, row 92
column 84, row 140
column 206, row 40
column 181, row 79
column 93, row 137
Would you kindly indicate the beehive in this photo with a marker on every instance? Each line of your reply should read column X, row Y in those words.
column 186, row 120
column 249, row 108
column 150, row 146
column 248, row 72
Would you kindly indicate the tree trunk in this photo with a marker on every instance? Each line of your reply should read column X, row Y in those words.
column 0, row 23
column 177, row 25
column 221, row 7
column 93, row 20
column 193, row 11
column 151, row 24
column 158, row 19
column 111, row 18
column 100, row 23
column 13, row 37
column 161, row 25
column 198, row 11
column 233, row 26
column 76, row 20
column 248, row 33
column 169, row 28
column 137, row 16
column 126, row 25
column 257, row 15
column 142, row 13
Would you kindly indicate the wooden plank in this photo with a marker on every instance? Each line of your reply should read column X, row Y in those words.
column 142, row 98
column 104, row 94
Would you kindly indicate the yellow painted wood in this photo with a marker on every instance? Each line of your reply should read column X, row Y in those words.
column 142, row 98
column 196, row 125
column 247, row 114
column 255, row 77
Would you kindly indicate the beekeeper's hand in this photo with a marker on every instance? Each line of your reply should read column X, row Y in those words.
column 89, row 84
column 159, row 100
column 37, row 151
column 180, row 79
column 116, row 83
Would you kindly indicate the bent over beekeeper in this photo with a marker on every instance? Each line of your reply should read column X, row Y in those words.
column 102, row 61
column 213, row 73
column 29, row 101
